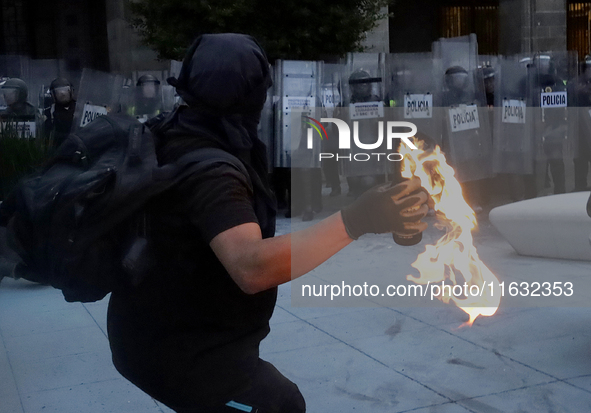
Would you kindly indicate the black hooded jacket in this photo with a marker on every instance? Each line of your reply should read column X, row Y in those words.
column 188, row 335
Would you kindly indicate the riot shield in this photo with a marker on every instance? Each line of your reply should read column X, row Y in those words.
column 265, row 128
column 2, row 102
column 18, row 126
column 12, row 66
column 467, row 138
column 488, row 60
column 414, row 93
column 298, row 84
column 552, row 82
column 512, row 136
column 583, row 142
column 331, row 88
column 19, row 117
column 144, row 102
column 99, row 93
column 331, row 108
column 363, row 89
column 175, row 68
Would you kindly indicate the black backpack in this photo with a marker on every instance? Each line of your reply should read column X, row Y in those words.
column 79, row 225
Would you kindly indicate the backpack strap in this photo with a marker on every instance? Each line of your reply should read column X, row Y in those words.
column 197, row 161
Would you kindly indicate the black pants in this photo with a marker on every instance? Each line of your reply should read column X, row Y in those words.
column 556, row 168
column 270, row 392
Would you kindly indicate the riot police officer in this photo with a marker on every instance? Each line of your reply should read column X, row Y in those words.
column 147, row 101
column 59, row 116
column 360, row 86
column 460, row 90
column 583, row 155
column 456, row 81
column 553, row 127
column 488, row 73
column 16, row 92
column 361, row 90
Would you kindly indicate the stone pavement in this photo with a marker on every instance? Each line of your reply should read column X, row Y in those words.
column 54, row 356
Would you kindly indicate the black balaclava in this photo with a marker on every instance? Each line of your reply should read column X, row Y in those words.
column 224, row 81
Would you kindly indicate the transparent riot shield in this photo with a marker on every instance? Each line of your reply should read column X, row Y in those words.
column 15, row 66
column 175, row 68
column 298, row 84
column 18, row 118
column 552, row 81
column 488, row 60
column 414, row 92
column 265, row 128
column 363, row 89
column 331, row 108
column 18, row 126
column 2, row 102
column 582, row 151
column 298, row 142
column 467, row 138
column 147, row 100
column 99, row 94
column 34, row 72
column 331, row 88
column 513, row 151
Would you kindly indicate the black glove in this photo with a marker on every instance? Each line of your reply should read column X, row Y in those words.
column 388, row 208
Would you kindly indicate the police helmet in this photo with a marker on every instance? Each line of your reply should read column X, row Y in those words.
column 59, row 82
column 456, row 77
column 586, row 63
column 18, row 84
column 488, row 72
column 147, row 78
column 545, row 64
column 358, row 75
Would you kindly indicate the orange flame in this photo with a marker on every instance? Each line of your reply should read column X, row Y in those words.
column 453, row 260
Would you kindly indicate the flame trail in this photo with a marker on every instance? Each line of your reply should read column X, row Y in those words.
column 453, row 259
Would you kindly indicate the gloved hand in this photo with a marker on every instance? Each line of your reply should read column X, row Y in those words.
column 388, row 208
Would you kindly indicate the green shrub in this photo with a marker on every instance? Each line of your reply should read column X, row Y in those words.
column 19, row 156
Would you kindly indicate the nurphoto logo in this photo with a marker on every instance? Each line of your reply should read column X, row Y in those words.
column 387, row 131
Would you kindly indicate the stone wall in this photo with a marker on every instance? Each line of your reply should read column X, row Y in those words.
column 528, row 26
column 127, row 54
column 378, row 40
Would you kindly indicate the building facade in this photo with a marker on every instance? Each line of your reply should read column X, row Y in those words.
column 96, row 34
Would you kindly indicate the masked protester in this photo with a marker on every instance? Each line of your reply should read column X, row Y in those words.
column 16, row 92
column 189, row 334
column 59, row 116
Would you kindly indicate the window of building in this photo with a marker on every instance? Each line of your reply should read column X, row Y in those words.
column 460, row 18
column 578, row 25
column 14, row 27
